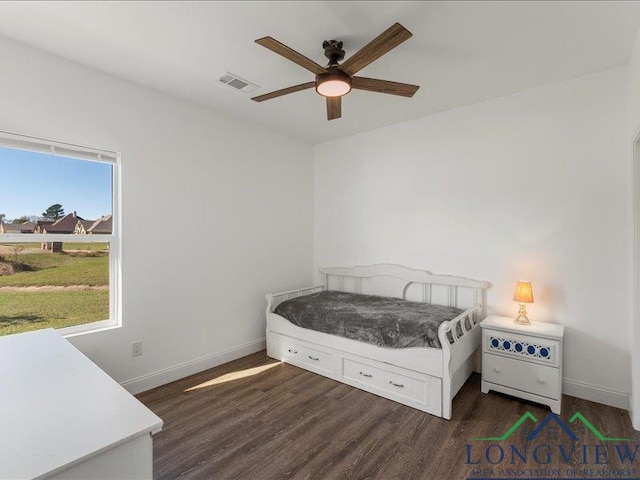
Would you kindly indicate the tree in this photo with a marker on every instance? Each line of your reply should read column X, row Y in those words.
column 2, row 217
column 19, row 220
column 54, row 212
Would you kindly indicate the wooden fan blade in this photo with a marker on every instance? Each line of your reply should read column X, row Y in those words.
column 334, row 107
column 384, row 86
column 383, row 43
column 290, row 54
column 284, row 91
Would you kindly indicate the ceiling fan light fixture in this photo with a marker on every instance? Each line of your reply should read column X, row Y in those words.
column 337, row 79
column 333, row 84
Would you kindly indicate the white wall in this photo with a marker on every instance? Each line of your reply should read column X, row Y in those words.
column 216, row 212
column 634, row 130
column 634, row 88
column 532, row 185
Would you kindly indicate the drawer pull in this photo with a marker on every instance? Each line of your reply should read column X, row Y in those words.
column 291, row 350
column 496, row 369
column 399, row 385
column 542, row 381
column 313, row 358
column 368, row 375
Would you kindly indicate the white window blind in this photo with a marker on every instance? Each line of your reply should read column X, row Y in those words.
column 24, row 142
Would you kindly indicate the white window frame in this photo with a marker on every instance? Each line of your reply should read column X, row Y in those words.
column 60, row 149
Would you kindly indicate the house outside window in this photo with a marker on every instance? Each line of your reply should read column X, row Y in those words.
column 59, row 236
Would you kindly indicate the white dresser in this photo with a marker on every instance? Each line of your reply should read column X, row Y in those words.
column 64, row 418
column 523, row 360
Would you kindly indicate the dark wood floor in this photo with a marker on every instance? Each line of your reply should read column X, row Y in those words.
column 277, row 421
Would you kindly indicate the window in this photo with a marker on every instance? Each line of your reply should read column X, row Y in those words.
column 59, row 236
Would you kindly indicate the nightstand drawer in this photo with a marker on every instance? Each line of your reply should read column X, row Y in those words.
column 522, row 375
column 528, row 348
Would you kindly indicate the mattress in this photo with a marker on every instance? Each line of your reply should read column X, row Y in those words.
column 382, row 321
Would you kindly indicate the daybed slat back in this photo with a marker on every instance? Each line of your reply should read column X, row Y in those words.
column 275, row 299
column 404, row 273
column 370, row 279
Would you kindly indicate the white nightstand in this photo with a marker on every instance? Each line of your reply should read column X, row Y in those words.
column 523, row 360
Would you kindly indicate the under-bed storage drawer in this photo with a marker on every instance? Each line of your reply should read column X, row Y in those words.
column 294, row 352
column 390, row 383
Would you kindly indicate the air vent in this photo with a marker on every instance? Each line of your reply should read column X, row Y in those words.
column 238, row 83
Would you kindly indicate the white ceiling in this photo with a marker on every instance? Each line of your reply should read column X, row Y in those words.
column 461, row 52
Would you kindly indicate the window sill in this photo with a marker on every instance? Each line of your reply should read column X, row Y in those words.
column 77, row 330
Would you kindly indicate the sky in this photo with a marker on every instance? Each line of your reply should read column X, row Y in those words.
column 30, row 182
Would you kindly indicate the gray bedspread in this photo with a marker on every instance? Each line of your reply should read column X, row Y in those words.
column 383, row 321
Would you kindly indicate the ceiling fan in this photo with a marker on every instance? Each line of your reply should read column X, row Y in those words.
column 336, row 80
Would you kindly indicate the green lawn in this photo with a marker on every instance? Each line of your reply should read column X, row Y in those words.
column 85, row 246
column 22, row 312
column 67, row 245
column 32, row 245
column 59, row 270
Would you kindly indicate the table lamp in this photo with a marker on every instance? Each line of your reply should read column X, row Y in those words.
column 523, row 295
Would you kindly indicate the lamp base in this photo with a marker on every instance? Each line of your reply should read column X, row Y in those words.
column 522, row 318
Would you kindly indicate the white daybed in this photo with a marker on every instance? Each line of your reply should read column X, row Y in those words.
column 423, row 378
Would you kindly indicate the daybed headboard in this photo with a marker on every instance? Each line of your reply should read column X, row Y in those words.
column 409, row 284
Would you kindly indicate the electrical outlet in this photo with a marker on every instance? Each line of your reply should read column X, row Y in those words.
column 136, row 349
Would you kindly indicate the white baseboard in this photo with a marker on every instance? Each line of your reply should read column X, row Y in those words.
column 635, row 421
column 176, row 372
column 593, row 393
